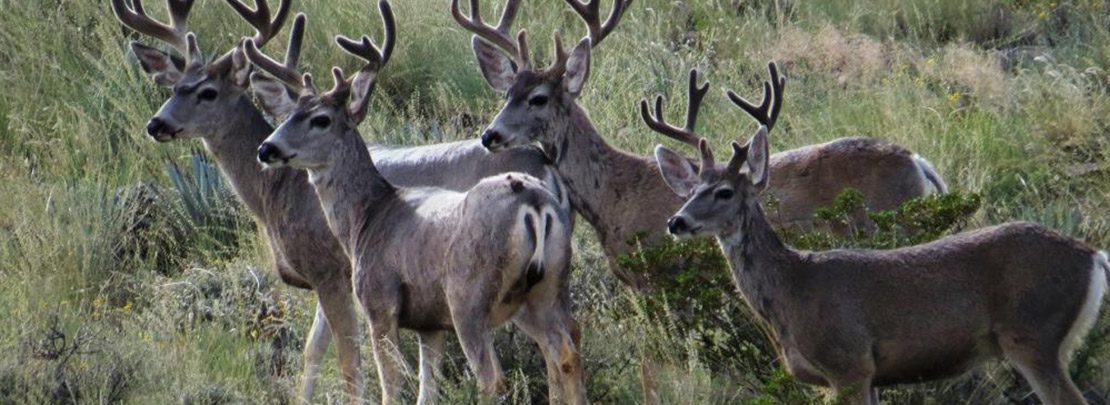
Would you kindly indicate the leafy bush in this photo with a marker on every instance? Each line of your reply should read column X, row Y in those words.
column 914, row 222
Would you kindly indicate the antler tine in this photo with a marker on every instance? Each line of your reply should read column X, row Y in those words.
column 135, row 17
column 559, row 64
column 286, row 72
column 508, row 15
column 707, row 162
column 365, row 47
column 296, row 37
column 259, row 18
column 767, row 112
column 179, row 11
column 695, row 95
column 265, row 28
column 685, row 134
column 590, row 13
column 777, row 85
column 498, row 36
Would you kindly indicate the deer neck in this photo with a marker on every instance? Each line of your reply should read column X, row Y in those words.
column 761, row 264
column 620, row 194
column 235, row 150
column 350, row 189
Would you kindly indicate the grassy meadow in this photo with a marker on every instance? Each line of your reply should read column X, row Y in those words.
column 129, row 273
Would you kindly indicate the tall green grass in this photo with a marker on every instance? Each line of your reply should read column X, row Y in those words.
column 1007, row 98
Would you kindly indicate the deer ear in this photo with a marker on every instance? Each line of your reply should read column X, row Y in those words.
column 758, row 159
column 498, row 69
column 578, row 67
column 678, row 172
column 361, row 89
column 163, row 69
column 273, row 95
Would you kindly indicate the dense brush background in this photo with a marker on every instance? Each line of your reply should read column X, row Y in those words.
column 129, row 273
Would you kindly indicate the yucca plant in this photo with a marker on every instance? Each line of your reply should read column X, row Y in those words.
column 208, row 211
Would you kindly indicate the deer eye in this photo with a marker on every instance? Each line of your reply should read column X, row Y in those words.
column 537, row 101
column 320, row 121
column 723, row 194
column 207, row 94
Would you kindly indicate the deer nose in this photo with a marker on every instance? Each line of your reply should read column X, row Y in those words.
column 677, row 224
column 491, row 138
column 268, row 153
column 155, row 127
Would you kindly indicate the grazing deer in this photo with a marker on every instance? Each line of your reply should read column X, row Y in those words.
column 210, row 101
column 857, row 319
column 431, row 259
column 621, row 194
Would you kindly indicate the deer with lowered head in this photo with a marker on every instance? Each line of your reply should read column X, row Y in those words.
column 857, row 319
column 431, row 259
column 621, row 194
column 211, row 101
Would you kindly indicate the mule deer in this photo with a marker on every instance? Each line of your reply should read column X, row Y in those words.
column 413, row 249
column 858, row 319
column 210, row 101
column 619, row 193
column 812, row 176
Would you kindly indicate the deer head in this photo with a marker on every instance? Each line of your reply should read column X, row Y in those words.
column 204, row 90
column 536, row 99
column 317, row 122
column 717, row 198
column 714, row 195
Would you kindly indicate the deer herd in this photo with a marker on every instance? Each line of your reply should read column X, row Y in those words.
column 470, row 235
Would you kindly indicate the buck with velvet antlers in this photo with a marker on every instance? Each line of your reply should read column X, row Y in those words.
column 211, row 101
column 857, row 319
column 431, row 259
column 621, row 194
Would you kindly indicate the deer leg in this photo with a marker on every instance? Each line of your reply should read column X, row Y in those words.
column 850, row 375
column 341, row 315
column 431, row 355
column 854, row 392
column 315, row 347
column 554, row 329
column 471, row 318
column 1046, row 373
column 388, row 358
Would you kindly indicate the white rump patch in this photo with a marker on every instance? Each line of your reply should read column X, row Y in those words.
column 1089, row 313
column 929, row 176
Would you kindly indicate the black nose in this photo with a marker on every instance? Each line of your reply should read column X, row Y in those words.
column 676, row 225
column 155, row 126
column 491, row 138
column 268, row 153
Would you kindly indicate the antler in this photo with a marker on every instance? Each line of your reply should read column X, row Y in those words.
column 499, row 35
column 767, row 113
column 707, row 163
column 265, row 28
column 285, row 72
column 693, row 104
column 365, row 48
column 135, row 17
column 590, row 13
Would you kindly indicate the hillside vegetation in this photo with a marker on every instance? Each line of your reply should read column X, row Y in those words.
column 129, row 273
